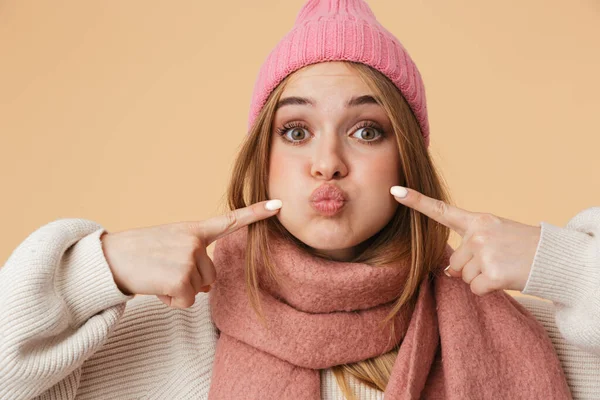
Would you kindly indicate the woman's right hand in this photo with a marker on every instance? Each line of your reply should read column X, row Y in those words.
column 170, row 261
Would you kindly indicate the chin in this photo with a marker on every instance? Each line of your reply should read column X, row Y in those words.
column 326, row 234
column 324, row 237
column 326, row 243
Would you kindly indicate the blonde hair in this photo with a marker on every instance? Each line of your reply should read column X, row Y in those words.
column 409, row 235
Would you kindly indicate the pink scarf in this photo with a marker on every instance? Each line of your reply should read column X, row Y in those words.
column 453, row 344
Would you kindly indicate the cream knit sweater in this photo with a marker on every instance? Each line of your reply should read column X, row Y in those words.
column 66, row 331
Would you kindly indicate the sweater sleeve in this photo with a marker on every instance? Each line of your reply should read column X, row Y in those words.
column 566, row 270
column 58, row 305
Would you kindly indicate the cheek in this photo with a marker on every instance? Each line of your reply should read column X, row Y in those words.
column 276, row 170
column 284, row 170
column 285, row 184
column 378, row 173
column 375, row 177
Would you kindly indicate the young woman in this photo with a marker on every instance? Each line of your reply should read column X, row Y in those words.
column 342, row 293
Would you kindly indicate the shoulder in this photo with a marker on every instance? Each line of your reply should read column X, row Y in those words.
column 582, row 369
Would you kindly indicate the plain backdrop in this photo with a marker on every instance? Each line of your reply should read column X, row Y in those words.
column 130, row 113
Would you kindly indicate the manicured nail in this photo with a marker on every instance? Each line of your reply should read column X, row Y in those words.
column 446, row 271
column 399, row 191
column 273, row 205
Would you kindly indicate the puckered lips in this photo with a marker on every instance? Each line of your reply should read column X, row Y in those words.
column 328, row 199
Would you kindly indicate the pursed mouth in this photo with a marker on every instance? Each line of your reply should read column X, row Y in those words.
column 328, row 192
column 328, row 207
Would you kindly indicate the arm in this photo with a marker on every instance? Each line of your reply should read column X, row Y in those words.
column 58, row 305
column 566, row 270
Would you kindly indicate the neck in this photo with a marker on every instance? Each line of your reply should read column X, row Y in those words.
column 344, row 255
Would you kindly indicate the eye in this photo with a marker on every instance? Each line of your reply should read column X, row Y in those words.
column 368, row 132
column 296, row 134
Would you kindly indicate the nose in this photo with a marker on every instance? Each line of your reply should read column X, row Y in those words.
column 328, row 159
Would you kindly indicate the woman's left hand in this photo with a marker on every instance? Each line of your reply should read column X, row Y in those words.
column 495, row 253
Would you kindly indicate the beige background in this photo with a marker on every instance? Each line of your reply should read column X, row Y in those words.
column 130, row 113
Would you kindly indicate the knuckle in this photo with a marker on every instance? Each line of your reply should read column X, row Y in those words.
column 190, row 268
column 189, row 255
column 195, row 242
column 452, row 259
column 494, row 275
column 178, row 284
column 479, row 291
column 466, row 278
column 487, row 259
column 195, row 229
column 183, row 302
column 253, row 211
column 231, row 220
column 477, row 239
column 440, row 208
column 187, row 301
column 487, row 219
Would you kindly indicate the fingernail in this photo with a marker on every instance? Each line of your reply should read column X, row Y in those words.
column 399, row 191
column 273, row 205
column 446, row 271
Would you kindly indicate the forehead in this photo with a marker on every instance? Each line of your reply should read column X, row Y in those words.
column 325, row 78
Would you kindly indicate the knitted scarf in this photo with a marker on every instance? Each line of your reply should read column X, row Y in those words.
column 453, row 344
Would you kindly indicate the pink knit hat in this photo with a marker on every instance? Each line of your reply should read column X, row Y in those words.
column 336, row 30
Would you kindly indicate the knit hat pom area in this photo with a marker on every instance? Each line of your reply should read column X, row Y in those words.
column 341, row 30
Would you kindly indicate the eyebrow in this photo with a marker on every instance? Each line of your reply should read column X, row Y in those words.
column 306, row 101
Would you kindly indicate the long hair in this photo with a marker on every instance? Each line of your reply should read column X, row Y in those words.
column 409, row 235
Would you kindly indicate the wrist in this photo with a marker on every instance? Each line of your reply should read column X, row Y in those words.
column 106, row 249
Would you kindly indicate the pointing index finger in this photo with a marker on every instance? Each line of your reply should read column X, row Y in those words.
column 222, row 225
column 446, row 214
